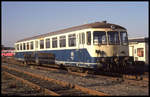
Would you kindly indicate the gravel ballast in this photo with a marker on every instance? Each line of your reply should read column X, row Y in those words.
column 102, row 84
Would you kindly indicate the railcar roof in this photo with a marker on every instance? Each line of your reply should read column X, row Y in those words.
column 85, row 26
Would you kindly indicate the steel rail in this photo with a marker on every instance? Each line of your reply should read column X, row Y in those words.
column 35, row 86
column 66, row 84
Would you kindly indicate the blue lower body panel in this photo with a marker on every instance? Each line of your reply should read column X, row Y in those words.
column 74, row 57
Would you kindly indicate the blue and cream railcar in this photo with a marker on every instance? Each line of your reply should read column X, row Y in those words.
column 89, row 45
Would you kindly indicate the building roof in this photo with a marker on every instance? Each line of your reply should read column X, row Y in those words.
column 103, row 24
column 139, row 39
column 8, row 48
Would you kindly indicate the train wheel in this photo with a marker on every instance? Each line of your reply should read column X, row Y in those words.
column 108, row 68
column 80, row 70
column 61, row 66
column 68, row 69
column 25, row 63
column 86, row 72
column 39, row 64
column 139, row 77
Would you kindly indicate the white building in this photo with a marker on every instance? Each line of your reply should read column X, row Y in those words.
column 139, row 48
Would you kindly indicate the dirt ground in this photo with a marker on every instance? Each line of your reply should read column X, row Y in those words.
column 12, row 87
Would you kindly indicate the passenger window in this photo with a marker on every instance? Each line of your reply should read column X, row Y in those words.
column 88, row 37
column 20, row 46
column 72, row 40
column 54, row 42
column 31, row 45
column 17, row 46
column 62, row 41
column 27, row 45
column 48, row 43
column 24, row 46
column 42, row 44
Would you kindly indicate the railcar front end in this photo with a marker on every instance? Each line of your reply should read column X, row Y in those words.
column 112, row 52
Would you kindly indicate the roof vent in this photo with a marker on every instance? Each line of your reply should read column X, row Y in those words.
column 104, row 21
column 112, row 27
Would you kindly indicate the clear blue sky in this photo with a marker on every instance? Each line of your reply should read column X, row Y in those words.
column 25, row 19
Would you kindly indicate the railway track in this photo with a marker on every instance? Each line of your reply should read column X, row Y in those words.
column 48, row 85
column 52, row 68
column 125, row 77
column 55, row 68
column 35, row 86
column 10, row 86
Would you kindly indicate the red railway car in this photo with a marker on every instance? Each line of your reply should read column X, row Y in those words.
column 8, row 53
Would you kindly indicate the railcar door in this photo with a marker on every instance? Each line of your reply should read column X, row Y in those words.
column 81, row 48
column 36, row 51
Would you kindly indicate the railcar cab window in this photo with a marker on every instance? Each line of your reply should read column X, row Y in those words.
column 88, row 34
column 62, row 41
column 113, row 37
column 27, row 45
column 99, row 37
column 42, row 44
column 123, row 38
column 48, row 43
column 54, row 42
column 72, row 40
column 31, row 45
